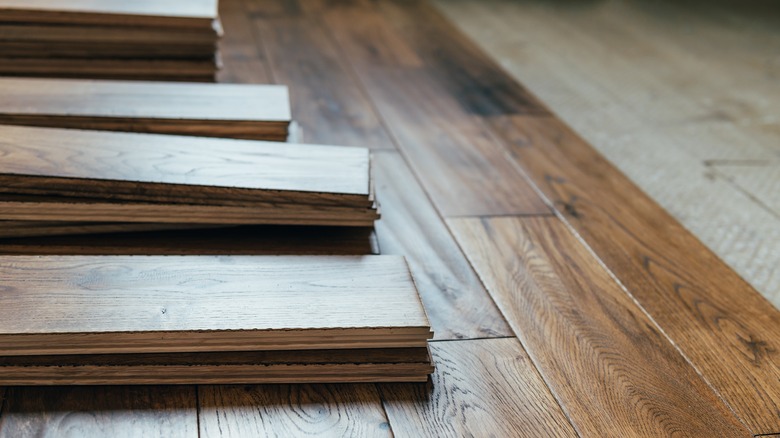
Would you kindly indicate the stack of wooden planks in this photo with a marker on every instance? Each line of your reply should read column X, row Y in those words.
column 140, row 39
column 206, row 319
column 254, row 112
column 51, row 177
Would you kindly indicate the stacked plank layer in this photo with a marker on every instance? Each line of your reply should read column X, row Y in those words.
column 97, row 178
column 161, row 40
column 253, row 112
column 229, row 319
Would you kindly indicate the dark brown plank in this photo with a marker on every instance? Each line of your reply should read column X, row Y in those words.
column 291, row 410
column 609, row 365
column 726, row 329
column 486, row 387
column 115, row 411
column 327, row 103
column 468, row 74
column 246, row 240
column 463, row 169
column 243, row 62
column 457, row 304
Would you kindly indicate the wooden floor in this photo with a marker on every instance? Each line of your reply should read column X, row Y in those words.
column 565, row 301
column 683, row 97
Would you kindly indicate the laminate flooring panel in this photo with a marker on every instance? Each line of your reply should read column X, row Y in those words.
column 144, row 167
column 199, row 14
column 123, row 304
column 248, row 367
column 134, row 104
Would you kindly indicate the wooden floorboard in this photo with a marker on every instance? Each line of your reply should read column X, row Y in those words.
column 451, row 152
column 291, row 410
column 108, row 411
column 327, row 103
column 609, row 365
column 726, row 329
column 486, row 387
column 457, row 304
column 242, row 60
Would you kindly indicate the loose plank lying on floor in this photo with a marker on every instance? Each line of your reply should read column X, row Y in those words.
column 115, row 411
column 119, row 304
column 291, row 410
column 306, row 366
column 161, row 168
column 723, row 326
column 240, row 240
column 217, row 110
column 485, row 387
column 156, row 13
column 604, row 359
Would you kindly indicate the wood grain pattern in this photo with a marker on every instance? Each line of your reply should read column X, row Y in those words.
column 611, row 368
column 201, row 303
column 307, row 366
column 50, row 97
column 726, row 329
column 484, row 387
column 329, row 106
column 142, row 167
column 136, row 69
column 242, row 60
column 451, row 152
column 241, row 240
column 169, row 13
column 292, row 410
column 117, row 411
column 80, row 210
column 457, row 304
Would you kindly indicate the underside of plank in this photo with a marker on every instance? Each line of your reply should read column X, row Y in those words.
column 114, row 304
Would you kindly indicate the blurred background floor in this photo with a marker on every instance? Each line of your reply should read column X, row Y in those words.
column 683, row 97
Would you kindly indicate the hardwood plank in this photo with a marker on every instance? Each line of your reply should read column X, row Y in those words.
column 462, row 69
column 329, row 106
column 242, row 60
column 117, row 411
column 44, row 34
column 169, row 13
column 116, row 51
column 725, row 328
column 457, row 304
column 153, row 168
column 119, row 304
column 291, row 410
column 134, row 69
column 306, row 366
column 449, row 150
column 147, row 106
column 611, row 368
column 484, row 387
column 244, row 240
